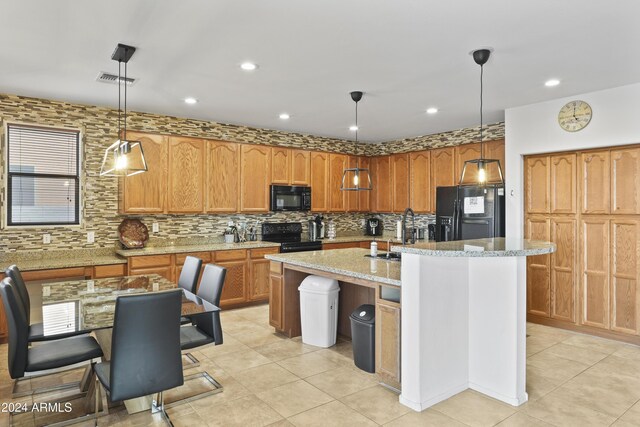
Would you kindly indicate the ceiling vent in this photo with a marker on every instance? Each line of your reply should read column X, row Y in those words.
column 109, row 78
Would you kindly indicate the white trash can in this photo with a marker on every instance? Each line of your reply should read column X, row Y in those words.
column 319, row 310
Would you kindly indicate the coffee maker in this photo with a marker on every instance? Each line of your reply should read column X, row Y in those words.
column 316, row 228
column 374, row 227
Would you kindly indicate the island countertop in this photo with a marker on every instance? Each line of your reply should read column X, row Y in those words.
column 491, row 247
column 347, row 262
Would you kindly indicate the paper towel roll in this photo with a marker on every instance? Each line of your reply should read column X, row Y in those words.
column 399, row 230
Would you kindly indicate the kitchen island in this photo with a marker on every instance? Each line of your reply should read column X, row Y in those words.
column 464, row 319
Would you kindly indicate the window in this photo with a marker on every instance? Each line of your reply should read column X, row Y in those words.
column 43, row 176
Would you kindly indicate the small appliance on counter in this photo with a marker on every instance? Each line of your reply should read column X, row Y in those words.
column 316, row 228
column 374, row 227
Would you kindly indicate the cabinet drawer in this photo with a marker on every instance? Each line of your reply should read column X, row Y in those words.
column 150, row 261
column 260, row 253
column 58, row 273
column 231, row 255
column 113, row 270
column 204, row 256
column 276, row 268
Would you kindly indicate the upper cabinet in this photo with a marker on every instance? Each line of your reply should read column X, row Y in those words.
column 400, row 182
column 463, row 153
column 319, row 181
column 337, row 197
column 381, row 171
column 255, row 178
column 495, row 150
column 536, row 181
column 595, row 182
column 300, row 167
column 442, row 170
column 186, row 175
column 145, row 193
column 420, row 181
column 625, row 181
column 223, row 177
column 563, row 183
column 280, row 165
column 364, row 197
column 352, row 196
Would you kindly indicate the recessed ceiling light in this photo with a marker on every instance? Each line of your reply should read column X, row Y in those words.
column 284, row 116
column 248, row 66
column 432, row 110
column 552, row 82
column 190, row 100
column 353, row 128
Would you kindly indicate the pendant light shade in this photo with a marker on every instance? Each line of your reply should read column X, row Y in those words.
column 123, row 157
column 356, row 179
column 482, row 168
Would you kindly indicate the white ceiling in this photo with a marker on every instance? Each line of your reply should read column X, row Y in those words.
column 406, row 55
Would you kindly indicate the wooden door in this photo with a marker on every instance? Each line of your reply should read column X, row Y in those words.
column 352, row 197
column 382, row 184
column 595, row 182
column 147, row 192
column 186, row 175
column 255, row 177
column 223, row 182
column 280, row 165
column 563, row 184
column 624, row 276
column 442, row 171
column 563, row 272
column 337, row 197
column 595, row 272
column 319, row 182
column 536, row 182
column 538, row 277
column 420, row 181
column 625, row 181
column 463, row 153
column 388, row 341
column 259, row 284
column 234, row 289
column 275, row 300
column 399, row 182
column 495, row 150
column 300, row 167
column 364, row 197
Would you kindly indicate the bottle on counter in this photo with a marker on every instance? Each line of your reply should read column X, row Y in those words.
column 374, row 249
column 331, row 233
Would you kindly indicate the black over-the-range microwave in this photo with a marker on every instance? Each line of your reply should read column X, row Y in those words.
column 290, row 198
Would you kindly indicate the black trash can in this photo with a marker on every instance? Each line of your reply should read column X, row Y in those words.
column 363, row 337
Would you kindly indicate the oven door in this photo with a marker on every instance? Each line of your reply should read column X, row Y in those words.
column 290, row 198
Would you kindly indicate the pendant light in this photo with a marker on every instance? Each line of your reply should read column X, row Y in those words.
column 481, row 56
column 123, row 157
column 353, row 177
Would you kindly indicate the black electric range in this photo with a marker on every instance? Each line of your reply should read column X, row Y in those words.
column 289, row 235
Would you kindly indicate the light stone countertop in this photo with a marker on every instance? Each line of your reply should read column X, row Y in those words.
column 171, row 249
column 347, row 262
column 30, row 263
column 493, row 247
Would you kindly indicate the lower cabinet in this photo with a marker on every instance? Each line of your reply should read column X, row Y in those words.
column 234, row 290
column 152, row 264
column 388, row 341
column 259, row 274
column 276, row 313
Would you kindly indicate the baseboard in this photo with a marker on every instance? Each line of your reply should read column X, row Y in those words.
column 513, row 401
column 425, row 404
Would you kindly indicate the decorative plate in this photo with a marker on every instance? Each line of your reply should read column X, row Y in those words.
column 133, row 233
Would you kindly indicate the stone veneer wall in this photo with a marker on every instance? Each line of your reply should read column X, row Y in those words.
column 100, row 208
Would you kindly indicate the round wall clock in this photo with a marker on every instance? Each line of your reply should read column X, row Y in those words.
column 574, row 116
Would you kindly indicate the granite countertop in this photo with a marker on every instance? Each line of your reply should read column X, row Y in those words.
column 45, row 260
column 204, row 247
column 493, row 247
column 347, row 262
column 361, row 238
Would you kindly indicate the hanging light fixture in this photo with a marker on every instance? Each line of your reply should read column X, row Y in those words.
column 352, row 178
column 481, row 56
column 123, row 157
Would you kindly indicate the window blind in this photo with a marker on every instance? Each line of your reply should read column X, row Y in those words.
column 44, row 182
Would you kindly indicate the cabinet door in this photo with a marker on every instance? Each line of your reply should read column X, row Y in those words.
column 223, row 170
column 563, row 273
column 352, row 197
column 319, row 182
column 186, row 175
column 420, row 181
column 442, row 171
column 234, row 289
column 280, row 165
column 463, row 153
column 538, row 277
column 255, row 177
column 563, row 183
column 624, row 276
column 259, row 285
column 364, row 197
column 400, row 182
column 625, row 181
column 536, row 184
column 495, row 150
column 337, row 197
column 388, row 341
column 595, row 182
column 300, row 167
column 382, row 184
column 595, row 272
column 146, row 192
column 275, row 301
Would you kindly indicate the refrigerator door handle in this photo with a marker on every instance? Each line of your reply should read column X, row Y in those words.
column 454, row 226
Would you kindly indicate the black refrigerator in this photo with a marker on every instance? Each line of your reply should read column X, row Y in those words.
column 469, row 212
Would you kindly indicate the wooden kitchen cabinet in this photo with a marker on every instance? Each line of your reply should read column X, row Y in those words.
column 280, row 166
column 255, row 178
column 151, row 264
column 463, row 153
column 300, row 167
column 495, row 150
column 538, row 277
column 259, row 273
column 276, row 309
column 337, row 197
column 364, row 197
column 145, row 193
column 381, row 175
column 387, row 342
column 442, row 171
column 625, row 181
column 595, row 177
column 187, row 158
column 319, row 181
column 563, row 184
column 595, row 272
column 624, row 275
column 222, row 178
column 399, row 182
column 563, row 268
column 420, row 181
column 234, row 290
column 536, row 183
column 112, row 270
column 352, row 197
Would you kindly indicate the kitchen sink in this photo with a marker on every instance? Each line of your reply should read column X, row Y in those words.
column 389, row 256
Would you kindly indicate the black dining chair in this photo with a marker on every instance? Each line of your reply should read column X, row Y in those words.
column 190, row 273
column 36, row 330
column 145, row 349
column 45, row 358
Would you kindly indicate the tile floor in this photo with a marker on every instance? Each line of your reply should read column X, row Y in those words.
column 572, row 380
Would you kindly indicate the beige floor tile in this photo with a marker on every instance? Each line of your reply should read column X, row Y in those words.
column 294, row 398
column 308, row 364
column 187, row 419
column 520, row 419
column 281, row 423
column 283, row 349
column 474, row 409
column 264, row 377
column 555, row 367
column 232, row 389
column 619, row 365
column 534, row 348
column 342, row 382
column 594, row 343
column 259, row 337
column 337, row 357
column 245, row 411
column 428, row 418
column 629, row 352
column 538, row 384
column 238, row 361
column 633, row 414
column 376, row 403
column 578, row 354
column 230, row 345
column 555, row 409
column 623, row 423
column 334, row 414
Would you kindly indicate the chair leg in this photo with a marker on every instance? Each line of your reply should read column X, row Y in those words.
column 97, row 407
column 158, row 406
column 16, row 382
column 217, row 389
column 194, row 362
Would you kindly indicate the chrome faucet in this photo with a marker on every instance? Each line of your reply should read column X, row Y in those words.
column 404, row 226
